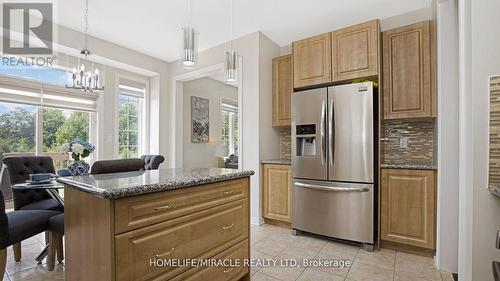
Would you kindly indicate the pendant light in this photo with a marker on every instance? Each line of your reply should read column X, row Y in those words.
column 189, row 52
column 231, row 58
column 84, row 76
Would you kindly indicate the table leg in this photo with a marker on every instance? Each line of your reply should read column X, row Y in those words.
column 42, row 255
column 55, row 195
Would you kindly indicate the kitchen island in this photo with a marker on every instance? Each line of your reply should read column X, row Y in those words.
column 130, row 226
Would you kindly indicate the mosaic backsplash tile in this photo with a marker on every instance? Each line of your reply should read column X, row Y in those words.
column 285, row 143
column 421, row 142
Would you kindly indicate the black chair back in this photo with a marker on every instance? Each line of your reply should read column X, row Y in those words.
column 152, row 162
column 117, row 166
column 20, row 169
column 4, row 224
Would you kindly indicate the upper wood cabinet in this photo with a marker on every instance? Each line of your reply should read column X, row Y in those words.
column 408, row 207
column 312, row 61
column 408, row 90
column 277, row 192
column 355, row 51
column 282, row 90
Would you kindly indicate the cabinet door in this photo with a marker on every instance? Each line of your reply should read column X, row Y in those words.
column 355, row 51
column 282, row 90
column 277, row 193
column 407, row 72
column 312, row 61
column 408, row 207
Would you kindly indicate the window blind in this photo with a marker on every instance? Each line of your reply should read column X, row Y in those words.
column 229, row 105
column 132, row 88
column 20, row 90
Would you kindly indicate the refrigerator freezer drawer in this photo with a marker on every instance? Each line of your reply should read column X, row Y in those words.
column 334, row 209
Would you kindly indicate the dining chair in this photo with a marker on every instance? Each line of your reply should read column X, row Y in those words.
column 117, row 166
column 19, row 170
column 56, row 233
column 19, row 225
column 152, row 161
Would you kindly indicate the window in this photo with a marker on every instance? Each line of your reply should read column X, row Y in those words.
column 17, row 128
column 229, row 125
column 130, row 118
column 29, row 109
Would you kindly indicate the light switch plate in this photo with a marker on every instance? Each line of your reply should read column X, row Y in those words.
column 403, row 142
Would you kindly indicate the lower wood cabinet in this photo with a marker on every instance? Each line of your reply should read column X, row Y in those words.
column 408, row 207
column 277, row 192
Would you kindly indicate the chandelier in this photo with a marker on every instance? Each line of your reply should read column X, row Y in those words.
column 84, row 76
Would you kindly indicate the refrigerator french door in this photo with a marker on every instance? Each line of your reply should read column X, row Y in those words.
column 333, row 162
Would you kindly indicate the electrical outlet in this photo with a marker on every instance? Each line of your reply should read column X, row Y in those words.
column 403, row 142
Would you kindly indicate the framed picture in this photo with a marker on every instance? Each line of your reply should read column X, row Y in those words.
column 199, row 120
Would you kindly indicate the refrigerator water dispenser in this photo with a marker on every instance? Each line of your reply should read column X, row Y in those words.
column 306, row 140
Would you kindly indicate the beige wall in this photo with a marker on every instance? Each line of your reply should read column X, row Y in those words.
column 201, row 155
column 486, row 207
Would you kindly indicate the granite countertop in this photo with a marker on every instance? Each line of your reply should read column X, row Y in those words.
column 409, row 166
column 118, row 185
column 277, row 162
column 494, row 189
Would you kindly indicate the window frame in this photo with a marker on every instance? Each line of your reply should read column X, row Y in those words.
column 236, row 124
column 143, row 114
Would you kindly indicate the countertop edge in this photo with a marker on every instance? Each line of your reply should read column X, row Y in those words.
column 409, row 166
column 152, row 188
column 276, row 162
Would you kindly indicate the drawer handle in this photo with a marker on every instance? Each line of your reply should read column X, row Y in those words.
column 228, row 192
column 166, row 207
column 165, row 254
column 228, row 270
column 228, row 227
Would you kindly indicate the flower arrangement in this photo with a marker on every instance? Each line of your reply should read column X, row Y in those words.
column 78, row 149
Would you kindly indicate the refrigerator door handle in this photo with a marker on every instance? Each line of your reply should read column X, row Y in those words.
column 331, row 132
column 323, row 136
column 332, row 188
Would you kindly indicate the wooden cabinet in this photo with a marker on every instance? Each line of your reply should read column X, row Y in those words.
column 117, row 239
column 408, row 90
column 355, row 51
column 282, row 90
column 408, row 207
column 312, row 63
column 277, row 192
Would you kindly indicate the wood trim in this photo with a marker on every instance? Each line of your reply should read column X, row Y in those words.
column 89, row 231
column 282, row 90
column 407, row 249
column 277, row 195
column 398, row 91
column 310, row 67
column 408, row 207
column 368, row 52
column 278, row 223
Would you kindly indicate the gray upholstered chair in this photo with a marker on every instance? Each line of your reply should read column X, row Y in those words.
column 117, row 166
column 231, row 162
column 17, row 226
column 19, row 170
column 152, row 161
column 56, row 233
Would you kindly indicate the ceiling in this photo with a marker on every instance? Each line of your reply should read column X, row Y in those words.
column 153, row 26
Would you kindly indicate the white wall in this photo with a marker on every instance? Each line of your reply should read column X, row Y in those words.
column 485, row 61
column 448, row 134
column 249, row 49
column 201, row 155
column 406, row 19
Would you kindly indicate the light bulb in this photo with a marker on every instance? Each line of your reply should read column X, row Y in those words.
column 74, row 70
column 82, row 67
column 96, row 71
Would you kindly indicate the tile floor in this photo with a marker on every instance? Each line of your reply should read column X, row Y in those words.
column 269, row 242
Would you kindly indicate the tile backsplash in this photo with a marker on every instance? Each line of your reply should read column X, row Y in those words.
column 285, row 143
column 421, row 141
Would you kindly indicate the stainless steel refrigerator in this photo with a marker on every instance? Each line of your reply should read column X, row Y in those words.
column 333, row 162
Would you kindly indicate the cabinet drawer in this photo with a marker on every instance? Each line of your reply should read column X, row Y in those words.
column 238, row 252
column 139, row 211
column 200, row 235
